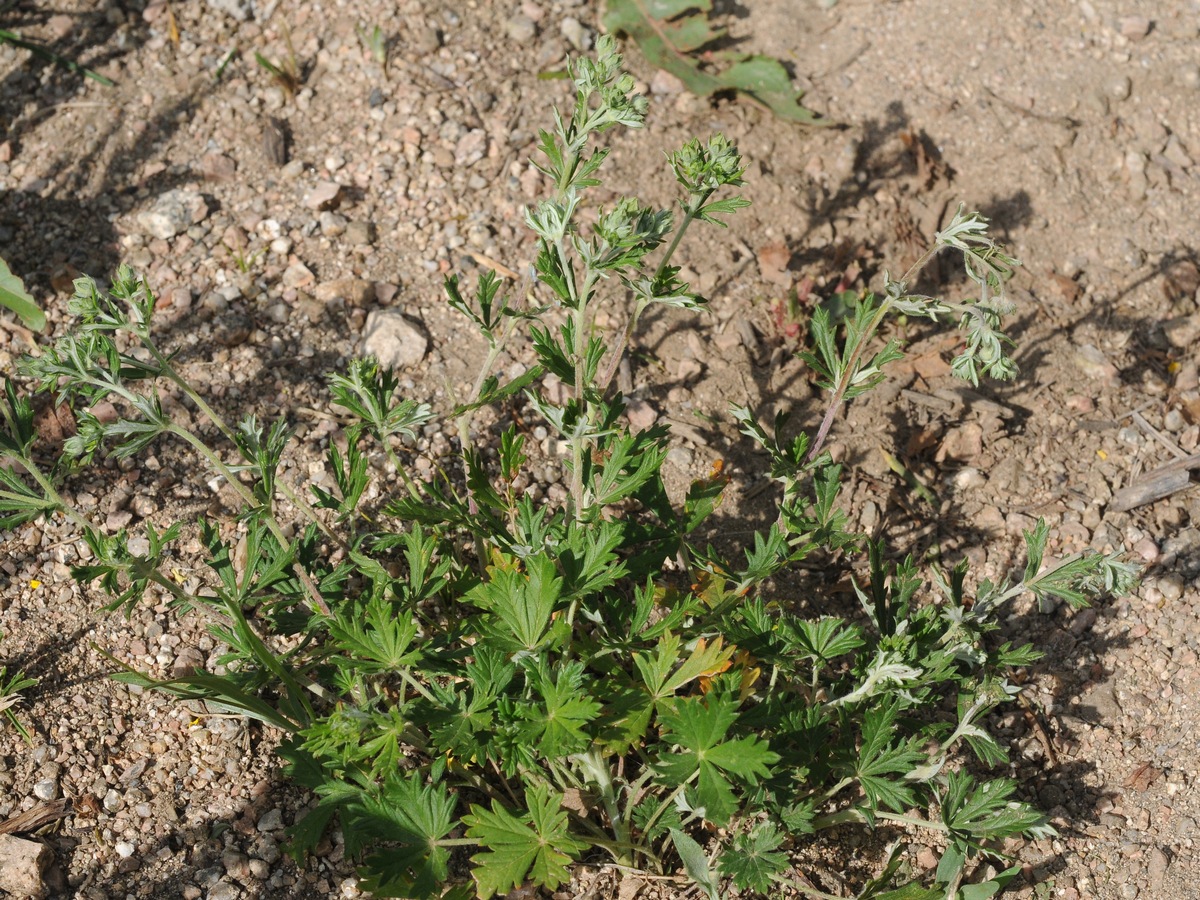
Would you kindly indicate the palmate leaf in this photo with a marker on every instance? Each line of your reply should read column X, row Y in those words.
column 535, row 845
column 555, row 726
column 670, row 31
column 374, row 639
column 522, row 602
column 753, row 857
column 410, row 817
column 880, row 766
column 698, row 726
column 974, row 812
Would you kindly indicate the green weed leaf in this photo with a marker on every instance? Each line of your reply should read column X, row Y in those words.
column 536, row 845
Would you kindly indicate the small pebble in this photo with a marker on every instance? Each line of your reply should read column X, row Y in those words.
column 520, row 28
column 1171, row 586
column 125, row 849
column 1120, row 87
column 46, row 790
column 577, row 35
column 223, row 890
column 1147, row 549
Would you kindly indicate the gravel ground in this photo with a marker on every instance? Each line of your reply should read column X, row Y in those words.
column 286, row 233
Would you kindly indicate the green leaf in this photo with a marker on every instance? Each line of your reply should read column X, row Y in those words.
column 15, row 297
column 536, row 845
column 752, row 858
column 698, row 726
column 974, row 812
column 522, row 602
column 375, row 639
column 555, row 727
column 656, row 670
column 881, row 765
column 695, row 863
column 410, row 817
column 670, row 31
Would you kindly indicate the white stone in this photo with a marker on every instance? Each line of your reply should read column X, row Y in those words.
column 393, row 340
column 173, row 213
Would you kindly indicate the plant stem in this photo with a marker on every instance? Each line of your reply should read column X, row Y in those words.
column 248, row 497
column 627, row 334
column 851, row 367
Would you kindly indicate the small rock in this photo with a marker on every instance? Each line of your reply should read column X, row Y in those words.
column 218, row 167
column 969, row 478
column 577, row 35
column 964, row 442
column 1082, row 621
column 359, row 233
column 125, row 849
column 1156, row 868
column 21, row 866
column 662, row 82
column 46, row 789
column 680, row 457
column 425, row 40
column 354, row 291
column 1093, row 363
column 1147, row 549
column 187, row 662
column 332, row 225
column 323, row 195
column 298, row 275
column 112, row 801
column 236, row 864
column 1176, row 152
column 470, row 148
column 393, row 340
column 520, row 28
column 272, row 820
column 1134, row 27
column 1171, row 586
column 172, row 213
column 239, row 9
column 144, row 505
column 1182, row 332
column 927, row 859
column 641, row 415
column 1120, row 87
column 60, row 26
column 223, row 890
column 118, row 519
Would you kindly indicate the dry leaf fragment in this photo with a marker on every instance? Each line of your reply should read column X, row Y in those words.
column 1141, row 778
column 773, row 261
column 275, row 141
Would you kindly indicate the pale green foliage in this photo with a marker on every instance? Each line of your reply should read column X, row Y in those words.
column 14, row 296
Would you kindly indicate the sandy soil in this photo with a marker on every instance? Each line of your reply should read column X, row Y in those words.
column 1074, row 125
